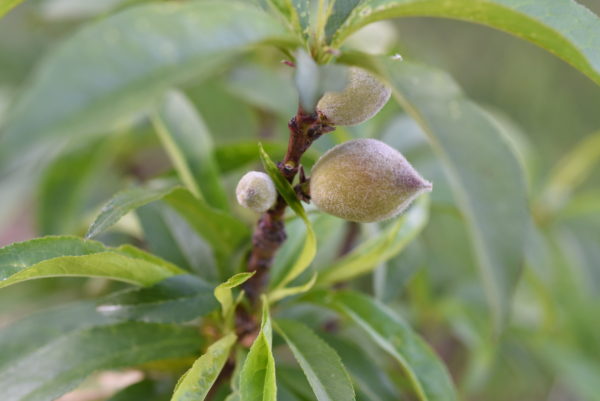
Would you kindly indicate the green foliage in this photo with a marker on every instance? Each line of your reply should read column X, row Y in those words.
column 257, row 377
column 186, row 138
column 196, row 382
column 71, row 256
column 176, row 299
column 387, row 244
column 319, row 362
column 134, row 81
column 62, row 364
column 309, row 249
column 224, row 295
column 223, row 232
column 562, row 27
column 426, row 372
column 481, row 168
column 169, row 103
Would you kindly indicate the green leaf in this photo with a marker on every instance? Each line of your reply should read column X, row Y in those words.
column 65, row 187
column 126, row 201
column 223, row 232
column 223, row 291
column 321, row 364
column 197, row 381
column 570, row 172
column 62, row 364
column 240, row 357
column 289, row 195
column 281, row 293
column 120, row 65
column 176, row 299
column 313, row 80
column 72, row 256
column 257, row 380
column 370, row 378
column 294, row 381
column 188, row 142
column 264, row 88
column 481, row 167
column 340, row 12
column 380, row 248
column 287, row 10
column 238, row 155
column 427, row 373
column 563, row 27
column 33, row 332
column 7, row 5
column 169, row 236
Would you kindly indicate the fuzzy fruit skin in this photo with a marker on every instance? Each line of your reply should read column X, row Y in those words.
column 362, row 98
column 364, row 180
column 256, row 191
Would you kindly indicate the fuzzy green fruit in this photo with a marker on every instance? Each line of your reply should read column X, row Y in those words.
column 364, row 180
column 256, row 191
column 362, row 98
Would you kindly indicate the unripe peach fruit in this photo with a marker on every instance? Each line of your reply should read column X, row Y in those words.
column 364, row 180
column 256, row 191
column 362, row 98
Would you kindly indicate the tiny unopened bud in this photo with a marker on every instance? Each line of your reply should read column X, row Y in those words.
column 256, row 191
column 362, row 98
column 364, row 180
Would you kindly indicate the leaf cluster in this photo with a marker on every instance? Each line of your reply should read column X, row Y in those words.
column 185, row 87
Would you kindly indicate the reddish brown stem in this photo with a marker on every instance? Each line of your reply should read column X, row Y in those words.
column 269, row 233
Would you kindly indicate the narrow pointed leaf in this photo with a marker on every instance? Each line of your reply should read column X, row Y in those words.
column 289, row 291
column 188, row 142
column 486, row 178
column 168, row 235
column 381, row 248
column 62, row 364
column 562, row 27
column 66, row 185
column 427, row 373
column 570, row 172
column 224, row 294
column 34, row 332
column 223, row 232
column 197, row 382
column 239, row 154
column 126, row 201
column 369, row 377
column 120, row 65
column 176, row 299
column 284, row 188
column 71, row 256
column 321, row 364
column 288, row 12
column 257, row 378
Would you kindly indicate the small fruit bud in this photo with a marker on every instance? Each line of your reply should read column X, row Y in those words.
column 256, row 191
column 364, row 180
column 362, row 98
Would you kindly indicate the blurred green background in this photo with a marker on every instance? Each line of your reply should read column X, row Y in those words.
column 551, row 351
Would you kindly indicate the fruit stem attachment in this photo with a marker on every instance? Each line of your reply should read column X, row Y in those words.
column 269, row 234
